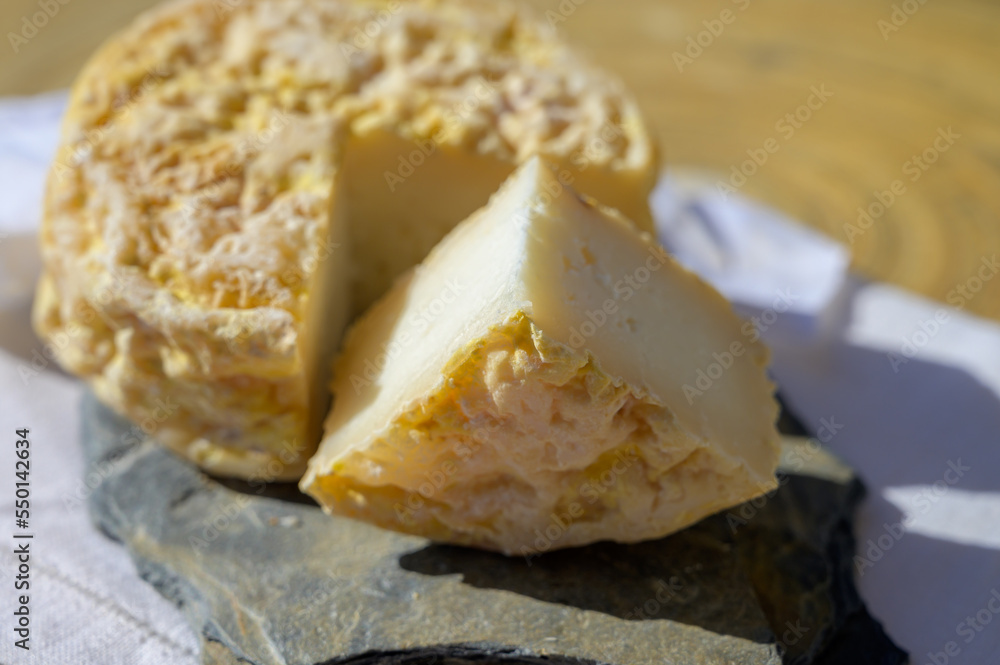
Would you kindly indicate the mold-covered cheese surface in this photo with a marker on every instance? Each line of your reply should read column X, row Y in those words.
column 236, row 179
column 523, row 388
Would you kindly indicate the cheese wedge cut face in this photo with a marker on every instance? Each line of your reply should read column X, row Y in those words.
column 236, row 180
column 523, row 389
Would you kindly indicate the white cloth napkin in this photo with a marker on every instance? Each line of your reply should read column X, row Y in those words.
column 87, row 603
column 906, row 390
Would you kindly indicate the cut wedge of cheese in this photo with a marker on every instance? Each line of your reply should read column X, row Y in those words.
column 531, row 386
column 236, row 179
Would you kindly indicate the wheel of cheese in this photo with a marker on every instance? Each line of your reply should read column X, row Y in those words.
column 238, row 178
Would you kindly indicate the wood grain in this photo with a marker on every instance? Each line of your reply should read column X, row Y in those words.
column 891, row 92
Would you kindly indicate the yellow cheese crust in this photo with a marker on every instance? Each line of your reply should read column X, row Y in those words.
column 527, row 445
column 189, row 219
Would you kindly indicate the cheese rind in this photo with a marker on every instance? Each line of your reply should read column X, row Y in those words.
column 201, row 216
column 522, row 389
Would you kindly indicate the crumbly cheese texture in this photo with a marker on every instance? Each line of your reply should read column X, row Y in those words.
column 523, row 389
column 237, row 178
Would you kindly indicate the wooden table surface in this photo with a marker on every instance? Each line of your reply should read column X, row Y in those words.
column 904, row 124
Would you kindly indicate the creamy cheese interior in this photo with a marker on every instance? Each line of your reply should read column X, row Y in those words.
column 405, row 195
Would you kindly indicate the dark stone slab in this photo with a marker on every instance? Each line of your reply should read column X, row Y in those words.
column 265, row 578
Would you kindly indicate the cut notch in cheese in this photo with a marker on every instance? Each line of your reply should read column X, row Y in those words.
column 531, row 371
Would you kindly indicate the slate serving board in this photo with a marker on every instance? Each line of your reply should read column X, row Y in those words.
column 265, row 578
